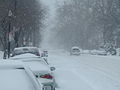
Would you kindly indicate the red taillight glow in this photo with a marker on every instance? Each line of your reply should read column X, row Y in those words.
column 47, row 76
column 37, row 54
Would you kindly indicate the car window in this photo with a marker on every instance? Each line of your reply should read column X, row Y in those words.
column 75, row 49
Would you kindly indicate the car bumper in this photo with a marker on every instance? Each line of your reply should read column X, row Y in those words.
column 46, row 82
column 75, row 53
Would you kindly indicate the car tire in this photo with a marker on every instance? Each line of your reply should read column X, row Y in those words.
column 53, row 88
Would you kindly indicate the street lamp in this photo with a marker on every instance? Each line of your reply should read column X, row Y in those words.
column 9, row 15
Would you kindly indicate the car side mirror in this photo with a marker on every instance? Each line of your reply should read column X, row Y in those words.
column 52, row 68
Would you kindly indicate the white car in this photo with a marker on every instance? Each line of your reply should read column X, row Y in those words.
column 93, row 52
column 40, row 68
column 98, row 52
column 23, row 50
column 15, row 76
column 33, row 50
column 75, row 51
column 101, row 52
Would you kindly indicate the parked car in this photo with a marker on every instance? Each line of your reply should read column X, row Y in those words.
column 44, row 53
column 93, row 52
column 43, row 72
column 23, row 50
column 101, row 52
column 98, row 52
column 75, row 51
column 15, row 76
column 118, row 51
column 40, row 67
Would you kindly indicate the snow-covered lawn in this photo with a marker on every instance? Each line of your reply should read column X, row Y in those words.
column 86, row 72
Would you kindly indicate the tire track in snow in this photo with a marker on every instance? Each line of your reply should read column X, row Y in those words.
column 112, row 80
column 96, row 77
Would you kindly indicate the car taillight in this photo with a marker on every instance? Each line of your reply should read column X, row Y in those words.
column 47, row 76
column 38, row 54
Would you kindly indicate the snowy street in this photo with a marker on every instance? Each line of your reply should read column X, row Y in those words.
column 86, row 72
column 60, row 44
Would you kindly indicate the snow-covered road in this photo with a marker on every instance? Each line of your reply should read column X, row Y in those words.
column 86, row 72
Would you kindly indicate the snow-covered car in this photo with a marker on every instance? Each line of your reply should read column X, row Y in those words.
column 118, row 51
column 75, row 51
column 15, row 76
column 44, row 53
column 93, row 52
column 98, row 52
column 23, row 50
column 101, row 52
column 85, row 51
column 40, row 68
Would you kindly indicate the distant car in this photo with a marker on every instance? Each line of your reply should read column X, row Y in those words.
column 40, row 68
column 15, row 76
column 101, row 52
column 75, row 51
column 24, row 50
column 85, row 51
column 44, row 53
column 98, row 52
column 118, row 51
column 93, row 52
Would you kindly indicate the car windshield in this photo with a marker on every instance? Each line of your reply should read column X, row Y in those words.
column 15, row 79
column 76, row 49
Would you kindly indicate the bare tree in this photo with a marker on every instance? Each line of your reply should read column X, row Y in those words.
column 26, row 21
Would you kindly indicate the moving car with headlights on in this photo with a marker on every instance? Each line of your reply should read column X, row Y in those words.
column 15, row 76
column 75, row 51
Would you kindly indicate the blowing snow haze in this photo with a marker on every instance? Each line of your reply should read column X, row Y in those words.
column 51, row 14
column 50, row 22
column 88, row 24
column 79, row 39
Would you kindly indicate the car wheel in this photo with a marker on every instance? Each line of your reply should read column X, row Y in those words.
column 53, row 88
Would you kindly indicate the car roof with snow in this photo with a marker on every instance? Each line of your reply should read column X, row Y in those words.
column 11, row 64
column 12, row 79
column 75, row 47
column 25, row 56
column 26, row 47
column 23, row 50
column 13, row 76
